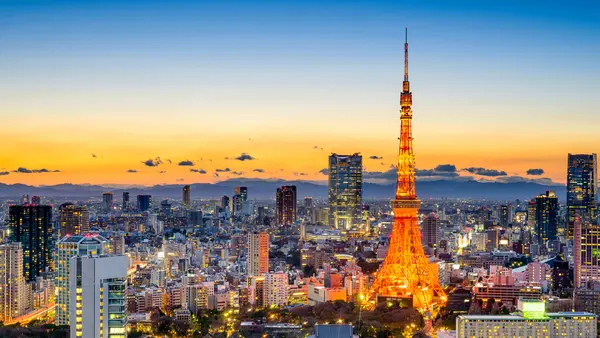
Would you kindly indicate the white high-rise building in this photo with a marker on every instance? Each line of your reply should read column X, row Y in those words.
column 67, row 248
column 98, row 287
column 13, row 302
column 276, row 289
column 258, row 253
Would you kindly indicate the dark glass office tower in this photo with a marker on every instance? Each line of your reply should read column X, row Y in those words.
column 285, row 203
column 345, row 191
column 582, row 189
column 143, row 202
column 31, row 225
column 546, row 216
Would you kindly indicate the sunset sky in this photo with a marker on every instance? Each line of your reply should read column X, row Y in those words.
column 124, row 91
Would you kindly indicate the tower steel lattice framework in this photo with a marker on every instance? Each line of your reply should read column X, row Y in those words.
column 406, row 273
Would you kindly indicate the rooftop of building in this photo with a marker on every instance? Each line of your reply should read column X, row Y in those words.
column 85, row 239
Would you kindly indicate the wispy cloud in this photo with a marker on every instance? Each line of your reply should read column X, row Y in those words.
column 225, row 170
column 258, row 170
column 199, row 171
column 324, row 171
column 245, row 157
column 485, row 172
column 375, row 157
column 132, row 171
column 22, row 170
column 3, row 173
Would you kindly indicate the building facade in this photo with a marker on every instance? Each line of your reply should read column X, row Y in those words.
column 586, row 252
column 31, row 225
column 285, row 205
column 186, row 198
column 13, row 301
column 276, row 289
column 73, row 219
column 258, row 253
column 546, row 217
column 98, row 287
column 430, row 229
column 345, row 191
column 67, row 248
column 582, row 189
column 144, row 202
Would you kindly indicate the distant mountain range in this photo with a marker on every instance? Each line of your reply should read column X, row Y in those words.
column 265, row 189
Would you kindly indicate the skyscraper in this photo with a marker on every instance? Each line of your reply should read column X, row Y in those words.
column 285, row 201
column 67, row 248
column 586, row 252
column 73, row 219
column 225, row 202
column 97, row 300
column 35, row 200
column 345, row 191
column 186, row 196
column 31, row 225
column 582, row 189
column 431, row 231
column 241, row 191
column 107, row 200
column 546, row 217
column 126, row 204
column 503, row 215
column 12, row 284
column 240, row 197
column 258, row 253
column 143, row 202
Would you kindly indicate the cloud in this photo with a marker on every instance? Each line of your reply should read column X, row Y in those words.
column 4, row 173
column 258, row 170
column 169, row 161
column 535, row 172
column 94, row 155
column 226, row 170
column 22, row 170
column 237, row 173
column 215, row 175
column 245, row 157
column 380, row 175
column 180, row 180
column 132, row 171
column 199, row 171
column 162, row 172
column 449, row 168
column 375, row 157
column 153, row 162
column 324, row 171
column 442, row 170
column 520, row 179
column 300, row 174
column 186, row 163
column 485, row 172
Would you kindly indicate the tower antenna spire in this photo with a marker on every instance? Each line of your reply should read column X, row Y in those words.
column 406, row 54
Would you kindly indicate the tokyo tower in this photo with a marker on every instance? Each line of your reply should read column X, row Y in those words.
column 406, row 274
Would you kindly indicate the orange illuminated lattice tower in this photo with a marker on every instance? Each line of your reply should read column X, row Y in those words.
column 406, row 274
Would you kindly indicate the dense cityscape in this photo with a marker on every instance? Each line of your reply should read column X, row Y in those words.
column 185, row 260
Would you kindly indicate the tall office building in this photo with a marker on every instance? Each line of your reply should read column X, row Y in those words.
column 582, row 189
column 98, row 287
column 31, row 225
column 586, row 252
column 241, row 191
column 73, row 219
column 285, row 202
column 67, row 248
column 143, row 202
column 126, row 204
column 546, row 217
column 345, row 191
column 503, row 215
column 258, row 253
column 187, row 201
column 225, row 202
column 430, row 228
column 12, row 284
column 107, row 200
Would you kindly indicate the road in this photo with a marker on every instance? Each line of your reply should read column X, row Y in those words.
column 26, row 318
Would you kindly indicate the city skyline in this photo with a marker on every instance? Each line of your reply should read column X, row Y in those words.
column 149, row 95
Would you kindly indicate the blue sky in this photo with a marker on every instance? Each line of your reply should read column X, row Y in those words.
column 507, row 85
